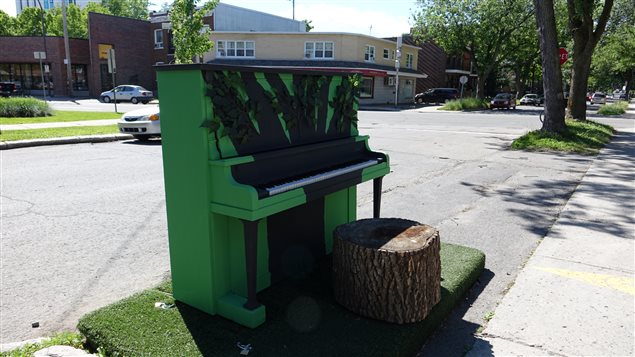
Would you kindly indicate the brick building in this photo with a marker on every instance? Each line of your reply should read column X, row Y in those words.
column 19, row 65
column 138, row 46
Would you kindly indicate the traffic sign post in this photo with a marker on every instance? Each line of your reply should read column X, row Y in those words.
column 41, row 55
column 462, row 80
column 112, row 68
column 564, row 55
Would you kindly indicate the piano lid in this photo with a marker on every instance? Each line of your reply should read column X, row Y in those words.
column 255, row 109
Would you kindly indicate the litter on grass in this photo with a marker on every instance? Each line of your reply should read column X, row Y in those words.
column 162, row 305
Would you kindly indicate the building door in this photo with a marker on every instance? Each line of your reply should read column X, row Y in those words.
column 106, row 78
column 405, row 91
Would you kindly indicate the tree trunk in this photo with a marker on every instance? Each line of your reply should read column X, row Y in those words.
column 585, row 39
column 552, row 76
column 480, row 86
column 579, row 83
column 520, row 88
column 388, row 269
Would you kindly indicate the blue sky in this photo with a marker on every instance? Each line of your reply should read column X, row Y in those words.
column 387, row 17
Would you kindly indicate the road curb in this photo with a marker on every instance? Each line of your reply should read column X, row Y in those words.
column 6, row 145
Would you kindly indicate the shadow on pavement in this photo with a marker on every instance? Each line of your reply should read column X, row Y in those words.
column 462, row 330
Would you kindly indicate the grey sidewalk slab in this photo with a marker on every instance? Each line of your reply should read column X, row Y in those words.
column 59, row 124
column 576, row 295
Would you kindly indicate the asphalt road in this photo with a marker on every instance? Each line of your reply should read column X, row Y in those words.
column 94, row 105
column 84, row 225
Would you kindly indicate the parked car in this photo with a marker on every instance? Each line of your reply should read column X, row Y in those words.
column 530, row 99
column 503, row 100
column 437, row 95
column 143, row 124
column 7, row 89
column 133, row 94
column 598, row 98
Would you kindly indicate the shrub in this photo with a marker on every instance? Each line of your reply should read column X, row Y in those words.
column 465, row 104
column 613, row 109
column 24, row 107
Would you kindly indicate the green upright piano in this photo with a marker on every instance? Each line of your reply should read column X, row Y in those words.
column 260, row 165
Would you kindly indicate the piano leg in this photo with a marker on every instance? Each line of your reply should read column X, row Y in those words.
column 377, row 196
column 251, row 250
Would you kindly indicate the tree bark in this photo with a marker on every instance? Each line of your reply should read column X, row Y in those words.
column 387, row 269
column 576, row 104
column 552, row 76
column 585, row 39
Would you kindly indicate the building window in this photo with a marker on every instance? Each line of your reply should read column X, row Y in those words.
column 80, row 80
column 236, row 49
column 409, row 58
column 369, row 53
column 366, row 89
column 26, row 76
column 320, row 50
column 386, row 53
column 392, row 55
column 158, row 39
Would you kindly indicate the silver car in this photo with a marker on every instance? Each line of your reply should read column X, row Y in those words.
column 598, row 98
column 129, row 93
column 143, row 124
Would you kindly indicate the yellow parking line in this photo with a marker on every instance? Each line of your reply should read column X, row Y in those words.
column 620, row 283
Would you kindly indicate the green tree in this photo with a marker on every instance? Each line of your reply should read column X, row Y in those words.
column 190, row 38
column 586, row 31
column 309, row 27
column 480, row 27
column 135, row 9
column 29, row 22
column 77, row 23
column 7, row 24
column 613, row 62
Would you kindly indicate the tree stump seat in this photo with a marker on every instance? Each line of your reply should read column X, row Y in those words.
column 387, row 268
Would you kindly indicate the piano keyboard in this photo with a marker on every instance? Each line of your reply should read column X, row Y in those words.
column 291, row 185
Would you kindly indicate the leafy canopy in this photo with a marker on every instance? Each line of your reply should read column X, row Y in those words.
column 190, row 38
column 134, row 9
column 7, row 24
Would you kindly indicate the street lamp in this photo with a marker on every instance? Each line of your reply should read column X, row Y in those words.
column 40, row 55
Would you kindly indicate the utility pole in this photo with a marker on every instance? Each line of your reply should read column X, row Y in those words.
column 44, row 85
column 397, row 65
column 293, row 5
column 69, row 76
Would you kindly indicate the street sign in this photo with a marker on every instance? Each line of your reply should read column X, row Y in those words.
column 39, row 55
column 463, row 79
column 564, row 55
column 112, row 65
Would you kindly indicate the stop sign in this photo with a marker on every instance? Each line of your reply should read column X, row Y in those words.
column 564, row 55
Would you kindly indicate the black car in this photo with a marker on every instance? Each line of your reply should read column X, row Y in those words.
column 437, row 95
column 7, row 89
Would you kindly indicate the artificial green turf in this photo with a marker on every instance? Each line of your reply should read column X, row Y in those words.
column 303, row 319
column 583, row 137
column 61, row 116
column 13, row 135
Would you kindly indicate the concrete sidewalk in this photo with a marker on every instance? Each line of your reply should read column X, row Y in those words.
column 59, row 124
column 576, row 295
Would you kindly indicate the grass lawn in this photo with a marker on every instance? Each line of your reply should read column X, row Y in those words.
column 12, row 135
column 583, row 137
column 61, row 116
column 303, row 319
column 465, row 104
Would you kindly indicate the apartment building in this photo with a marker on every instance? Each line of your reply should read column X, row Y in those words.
column 373, row 58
